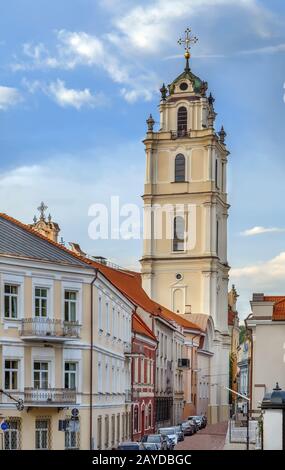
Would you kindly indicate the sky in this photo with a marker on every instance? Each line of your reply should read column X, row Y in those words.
column 77, row 82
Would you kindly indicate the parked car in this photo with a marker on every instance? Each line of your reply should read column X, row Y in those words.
column 179, row 432
column 156, row 439
column 204, row 421
column 188, row 428
column 170, row 432
column 149, row 446
column 170, row 443
column 129, row 446
column 194, row 424
column 198, row 420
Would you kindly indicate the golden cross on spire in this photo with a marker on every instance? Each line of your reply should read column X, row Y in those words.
column 186, row 43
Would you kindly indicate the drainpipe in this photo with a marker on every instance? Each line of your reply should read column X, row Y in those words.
column 91, row 359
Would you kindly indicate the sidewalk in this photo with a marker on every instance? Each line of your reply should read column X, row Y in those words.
column 211, row 438
column 235, row 445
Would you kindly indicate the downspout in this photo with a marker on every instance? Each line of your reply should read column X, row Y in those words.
column 91, row 358
column 192, row 372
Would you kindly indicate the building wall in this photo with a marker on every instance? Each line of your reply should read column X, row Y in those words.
column 111, row 366
column 143, row 386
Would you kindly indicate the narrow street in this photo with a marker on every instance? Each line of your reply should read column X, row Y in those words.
column 211, row 438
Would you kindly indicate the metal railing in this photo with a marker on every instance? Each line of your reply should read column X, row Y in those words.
column 48, row 396
column 181, row 133
column 128, row 396
column 49, row 327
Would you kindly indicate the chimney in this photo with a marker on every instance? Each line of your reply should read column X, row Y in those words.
column 46, row 227
column 257, row 297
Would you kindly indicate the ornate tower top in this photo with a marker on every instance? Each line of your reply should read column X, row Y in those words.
column 186, row 43
column 44, row 226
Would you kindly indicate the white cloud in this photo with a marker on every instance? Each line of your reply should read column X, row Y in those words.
column 147, row 27
column 260, row 230
column 9, row 97
column 65, row 97
column 264, row 276
column 70, row 97
column 69, row 185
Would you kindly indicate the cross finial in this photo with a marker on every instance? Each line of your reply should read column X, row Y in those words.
column 186, row 43
column 42, row 208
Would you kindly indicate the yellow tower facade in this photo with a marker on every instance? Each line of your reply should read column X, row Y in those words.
column 184, row 262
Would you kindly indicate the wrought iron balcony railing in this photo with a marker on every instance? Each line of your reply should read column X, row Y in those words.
column 181, row 133
column 39, row 327
column 49, row 396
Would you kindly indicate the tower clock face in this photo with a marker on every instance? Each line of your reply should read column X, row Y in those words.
column 183, row 86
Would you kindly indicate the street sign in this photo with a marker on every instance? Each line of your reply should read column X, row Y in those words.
column 75, row 412
column 4, row 426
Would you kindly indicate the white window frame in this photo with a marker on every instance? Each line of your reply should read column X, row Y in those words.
column 43, row 284
column 44, row 360
column 19, row 282
column 69, row 373
column 72, row 287
column 10, row 373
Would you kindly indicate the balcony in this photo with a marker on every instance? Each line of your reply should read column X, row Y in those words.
column 42, row 397
column 183, row 363
column 180, row 134
column 49, row 329
column 128, row 396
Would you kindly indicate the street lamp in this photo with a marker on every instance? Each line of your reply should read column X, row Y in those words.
column 19, row 401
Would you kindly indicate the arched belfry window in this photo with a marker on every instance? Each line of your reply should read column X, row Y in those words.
column 182, row 121
column 179, row 167
column 178, row 233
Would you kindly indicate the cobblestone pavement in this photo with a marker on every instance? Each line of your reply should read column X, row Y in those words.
column 211, row 438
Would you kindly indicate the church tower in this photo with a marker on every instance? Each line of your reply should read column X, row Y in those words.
column 184, row 262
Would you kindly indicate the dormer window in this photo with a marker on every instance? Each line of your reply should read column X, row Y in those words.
column 182, row 121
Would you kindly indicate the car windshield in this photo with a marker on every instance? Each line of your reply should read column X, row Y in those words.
column 153, row 438
column 167, row 431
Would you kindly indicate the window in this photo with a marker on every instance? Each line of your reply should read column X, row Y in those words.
column 113, row 430
column 216, row 174
column 107, row 318
column 10, row 301
column 41, row 297
column 70, row 304
column 71, row 440
column 70, row 373
column 106, row 432
column 136, row 419
column 113, row 322
column 100, row 382
column 41, row 375
column 217, row 237
column 11, row 374
column 178, row 235
column 42, row 434
column 182, row 121
column 100, row 314
column 12, row 435
column 118, row 428
column 99, row 432
column 179, row 167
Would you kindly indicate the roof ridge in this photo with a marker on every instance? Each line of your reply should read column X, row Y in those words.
column 32, row 231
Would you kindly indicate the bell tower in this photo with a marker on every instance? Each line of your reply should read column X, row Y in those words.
column 184, row 262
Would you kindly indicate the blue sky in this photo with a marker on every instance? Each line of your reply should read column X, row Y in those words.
column 77, row 81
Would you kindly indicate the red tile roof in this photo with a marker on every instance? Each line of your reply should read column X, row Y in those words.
column 278, row 307
column 139, row 326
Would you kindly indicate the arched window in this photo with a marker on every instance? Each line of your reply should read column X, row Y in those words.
column 149, row 415
column 178, row 235
column 136, row 419
column 179, row 167
column 182, row 121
